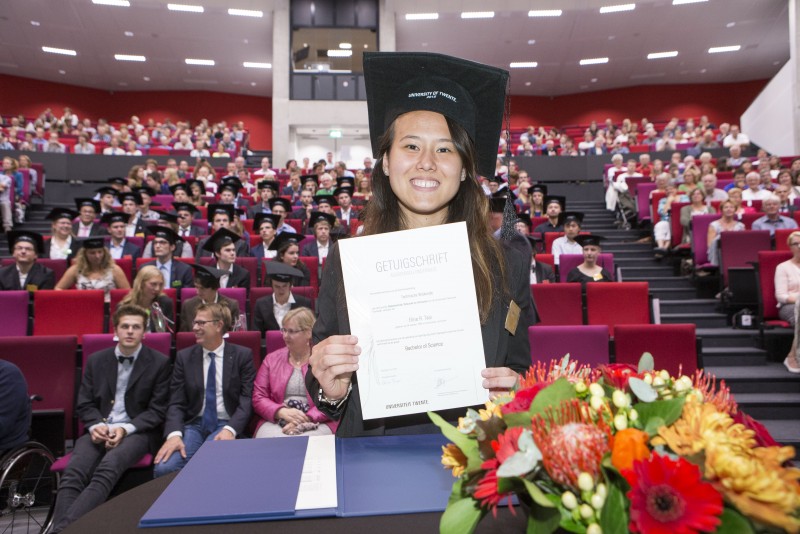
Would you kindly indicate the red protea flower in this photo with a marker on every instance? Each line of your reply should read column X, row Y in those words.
column 548, row 373
column 670, row 497
column 720, row 396
column 617, row 374
column 523, row 399
column 570, row 442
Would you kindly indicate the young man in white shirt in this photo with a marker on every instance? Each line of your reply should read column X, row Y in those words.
column 566, row 244
column 322, row 224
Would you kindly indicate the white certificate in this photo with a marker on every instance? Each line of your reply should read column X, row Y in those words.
column 412, row 304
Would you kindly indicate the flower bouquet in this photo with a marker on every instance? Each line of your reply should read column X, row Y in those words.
column 619, row 449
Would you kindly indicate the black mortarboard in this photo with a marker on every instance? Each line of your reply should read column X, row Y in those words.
column 182, row 186
column 219, row 239
column 586, row 240
column 284, row 237
column 497, row 204
column 27, row 236
column 525, row 218
column 214, row 209
column 164, row 232
column 92, row 242
column 232, row 183
column 130, row 195
column 570, row 216
column 266, row 217
column 269, row 184
column 308, row 178
column 325, row 199
column 118, row 180
column 471, row 94
column 339, row 190
column 106, row 190
column 538, row 188
column 185, row 206
column 496, row 179
column 282, row 201
column 81, row 202
column 555, row 198
column 146, row 190
column 317, row 216
column 61, row 213
column 189, row 184
column 346, row 181
column 168, row 216
column 206, row 273
column 112, row 217
column 277, row 270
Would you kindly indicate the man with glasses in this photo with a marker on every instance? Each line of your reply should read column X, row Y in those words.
column 207, row 284
column 221, row 216
column 772, row 220
column 211, row 390
column 185, row 212
column 270, row 310
column 25, row 273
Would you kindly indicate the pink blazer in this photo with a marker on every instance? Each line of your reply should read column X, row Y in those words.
column 270, row 387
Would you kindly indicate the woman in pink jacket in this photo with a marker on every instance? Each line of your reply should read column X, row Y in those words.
column 280, row 397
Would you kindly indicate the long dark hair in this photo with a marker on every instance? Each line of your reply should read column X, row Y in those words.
column 383, row 214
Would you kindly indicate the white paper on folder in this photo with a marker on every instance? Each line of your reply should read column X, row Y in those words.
column 318, row 481
column 412, row 305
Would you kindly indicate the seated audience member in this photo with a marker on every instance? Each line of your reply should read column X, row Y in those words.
column 541, row 273
column 736, row 138
column 727, row 223
column 524, row 224
column 345, row 212
column 207, row 284
column 589, row 270
column 146, row 193
column 83, row 146
column 270, row 310
column 229, row 193
column 264, row 224
column 26, row 163
column 176, row 274
column 554, row 205
column 772, row 219
column 326, row 204
column 282, row 208
column 113, row 148
column 572, row 221
column 697, row 206
column 711, row 190
column 180, row 193
column 185, row 213
column 265, row 169
column 537, row 193
column 221, row 216
column 222, row 245
column 280, row 397
column 735, row 159
column 690, row 178
column 61, row 245
column 118, row 245
column 364, row 188
column 134, row 225
column 167, row 219
column 294, row 187
column 267, row 189
column 122, row 401
column 754, row 190
column 735, row 196
column 738, row 181
column 210, row 392
column 321, row 224
column 94, row 268
column 147, row 294
column 107, row 197
column 88, row 210
column 289, row 253
column 783, row 192
column 200, row 150
column 197, row 190
column 787, row 292
column 25, row 247
column 54, row 145
column 15, row 410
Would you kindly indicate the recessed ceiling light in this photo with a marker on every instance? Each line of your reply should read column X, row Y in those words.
column 661, row 55
column 35, row 23
column 545, row 13
column 62, row 51
column 523, row 64
column 617, row 8
column 477, row 15
column 62, row 71
column 128, row 57
column 253, row 84
column 123, row 84
column 593, row 80
column 128, row 34
column 422, row 16
column 703, row 71
column 118, row 3
column 340, row 53
column 594, row 61
column 185, row 7
column 345, row 46
column 246, row 13
column 531, row 41
column 146, row 78
column 205, row 62
column 366, row 46
column 527, row 84
column 681, row 2
column 721, row 49
column 254, row 65
column 730, row 25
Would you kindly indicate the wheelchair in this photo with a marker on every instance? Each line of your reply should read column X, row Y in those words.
column 27, row 489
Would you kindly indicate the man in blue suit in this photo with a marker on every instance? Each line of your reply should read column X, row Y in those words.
column 116, row 222
column 176, row 274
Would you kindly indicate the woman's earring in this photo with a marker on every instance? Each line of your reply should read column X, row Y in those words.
column 463, row 175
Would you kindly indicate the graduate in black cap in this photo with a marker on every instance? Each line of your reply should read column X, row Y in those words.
column 222, row 244
column 326, row 204
column 180, row 192
column 116, row 222
column 282, row 208
column 25, row 247
column 186, row 212
column 130, row 202
column 197, row 192
column 94, row 268
column 287, row 246
column 147, row 194
column 221, row 216
column 206, row 281
column 60, row 245
column 176, row 274
column 524, row 225
column 572, row 222
column 267, row 189
column 537, row 193
column 309, row 182
column 321, row 224
column 229, row 193
column 590, row 270
column 88, row 211
column 553, row 206
column 541, row 273
column 168, row 219
column 269, row 311
column 345, row 212
column 434, row 124
column 107, row 197
column 265, row 224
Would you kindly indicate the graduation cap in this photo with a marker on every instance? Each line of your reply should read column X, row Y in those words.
column 146, row 190
column 92, row 242
column 130, row 195
column 34, row 238
column 112, row 217
column 277, row 270
column 216, row 209
column 326, row 199
column 496, row 179
column 284, row 238
column 570, row 216
column 106, row 190
column 164, row 232
column 269, row 184
column 346, row 181
column 497, row 204
column 317, row 216
column 92, row 203
column 189, row 184
column 340, row 190
column 231, row 184
column 525, row 218
column 538, row 188
column 180, row 187
column 219, row 239
column 206, row 274
column 308, row 178
column 562, row 201
column 61, row 213
column 118, row 180
column 280, row 201
column 471, row 94
column 261, row 218
column 185, row 206
column 167, row 216
column 586, row 240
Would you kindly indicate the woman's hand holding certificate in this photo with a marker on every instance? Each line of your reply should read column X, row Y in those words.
column 333, row 362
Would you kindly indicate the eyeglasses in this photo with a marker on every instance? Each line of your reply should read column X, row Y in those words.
column 291, row 331
column 201, row 324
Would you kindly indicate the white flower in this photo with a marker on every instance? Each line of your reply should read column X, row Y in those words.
column 569, row 500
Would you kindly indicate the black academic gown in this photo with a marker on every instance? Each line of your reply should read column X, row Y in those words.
column 39, row 277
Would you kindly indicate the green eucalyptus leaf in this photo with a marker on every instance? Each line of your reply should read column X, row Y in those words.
column 643, row 391
column 614, row 516
column 646, row 363
column 538, row 495
column 467, row 445
column 668, row 410
column 734, row 523
column 565, row 362
column 520, row 464
column 460, row 517
column 553, row 395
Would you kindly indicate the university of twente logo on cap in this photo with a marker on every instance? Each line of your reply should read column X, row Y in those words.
column 432, row 95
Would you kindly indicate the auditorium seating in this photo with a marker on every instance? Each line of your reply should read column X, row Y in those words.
column 673, row 346
column 14, row 313
column 159, row 341
column 700, row 224
column 59, row 267
column 768, row 261
column 740, row 249
column 567, row 262
column 249, row 339
column 558, row 304
column 273, row 340
column 631, row 304
column 68, row 312
column 585, row 344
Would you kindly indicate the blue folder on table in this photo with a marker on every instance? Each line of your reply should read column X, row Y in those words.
column 258, row 480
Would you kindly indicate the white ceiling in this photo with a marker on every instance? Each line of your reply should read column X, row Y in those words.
column 166, row 38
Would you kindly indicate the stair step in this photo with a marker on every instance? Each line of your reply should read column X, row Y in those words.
column 672, row 293
column 689, row 305
column 727, row 337
column 662, row 282
column 784, row 431
column 732, row 356
column 635, row 271
column 775, row 405
column 702, row 320
column 757, row 378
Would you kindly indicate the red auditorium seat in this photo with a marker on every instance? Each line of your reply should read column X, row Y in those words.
column 126, row 264
column 782, row 238
column 273, row 340
column 673, row 346
column 768, row 261
column 740, row 249
column 14, row 313
column 249, row 339
column 584, row 343
column 68, row 312
column 558, row 304
column 617, row 303
column 549, row 259
column 312, row 264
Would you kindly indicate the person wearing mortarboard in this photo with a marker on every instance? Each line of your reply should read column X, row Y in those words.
column 590, row 270
column 572, row 222
column 287, row 246
column 229, row 193
column 282, row 208
column 131, row 201
column 321, row 224
column 207, row 283
column 25, row 247
column 221, row 216
column 541, row 273
column 147, row 194
column 325, row 204
column 524, row 224
column 119, row 247
column 94, row 268
column 88, row 210
column 60, row 245
column 269, row 311
column 537, row 193
column 344, row 198
column 223, row 247
column 107, row 196
column 185, row 212
column 553, row 206
column 168, row 219
column 176, row 273
column 267, row 189
column 265, row 224
column 453, row 110
column 180, row 192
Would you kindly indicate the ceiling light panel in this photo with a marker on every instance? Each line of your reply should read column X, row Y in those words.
column 203, row 62
column 422, row 16
column 523, row 64
column 128, row 57
column 618, row 8
column 340, row 53
column 721, row 49
column 594, row 61
column 477, row 15
column 246, row 13
column 118, row 3
column 254, row 65
column 545, row 13
column 682, row 2
column 62, row 51
column 186, row 7
column 662, row 55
